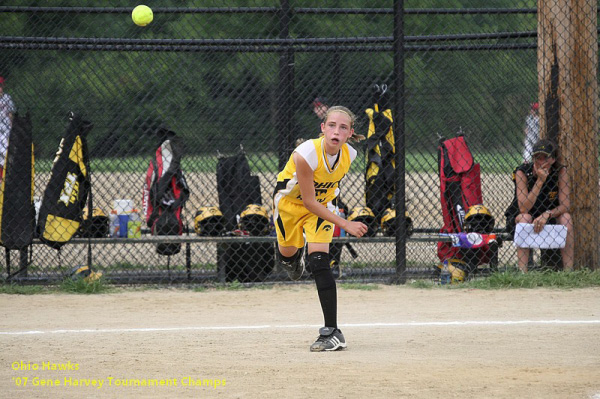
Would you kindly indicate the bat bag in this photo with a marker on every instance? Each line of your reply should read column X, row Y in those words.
column 460, row 188
column 17, row 212
column 236, row 188
column 379, row 175
column 165, row 194
column 67, row 191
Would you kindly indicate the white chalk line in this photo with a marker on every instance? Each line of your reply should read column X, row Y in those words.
column 301, row 326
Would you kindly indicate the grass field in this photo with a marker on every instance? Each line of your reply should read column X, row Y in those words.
column 492, row 162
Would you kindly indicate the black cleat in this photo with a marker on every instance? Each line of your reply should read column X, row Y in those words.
column 294, row 269
column 330, row 339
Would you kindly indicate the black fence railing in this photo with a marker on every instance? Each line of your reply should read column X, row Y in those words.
column 225, row 77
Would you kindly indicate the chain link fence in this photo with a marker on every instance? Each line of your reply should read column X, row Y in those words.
column 234, row 86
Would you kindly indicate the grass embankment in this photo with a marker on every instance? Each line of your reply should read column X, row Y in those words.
column 516, row 279
column 499, row 280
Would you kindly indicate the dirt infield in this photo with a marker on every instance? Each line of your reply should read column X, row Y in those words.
column 402, row 343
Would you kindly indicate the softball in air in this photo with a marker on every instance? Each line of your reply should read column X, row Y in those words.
column 142, row 15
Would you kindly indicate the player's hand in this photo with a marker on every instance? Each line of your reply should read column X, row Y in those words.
column 540, row 221
column 542, row 172
column 357, row 229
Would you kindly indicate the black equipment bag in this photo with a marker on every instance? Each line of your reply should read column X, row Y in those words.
column 17, row 212
column 236, row 187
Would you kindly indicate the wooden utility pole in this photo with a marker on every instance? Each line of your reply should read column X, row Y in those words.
column 568, row 93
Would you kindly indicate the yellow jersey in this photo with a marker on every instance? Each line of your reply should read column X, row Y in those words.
column 328, row 170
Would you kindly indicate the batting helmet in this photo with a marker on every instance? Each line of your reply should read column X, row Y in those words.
column 479, row 220
column 95, row 226
column 209, row 221
column 365, row 215
column 388, row 223
column 457, row 269
column 255, row 220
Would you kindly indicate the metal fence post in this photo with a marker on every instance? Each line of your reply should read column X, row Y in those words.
column 285, row 90
column 399, row 140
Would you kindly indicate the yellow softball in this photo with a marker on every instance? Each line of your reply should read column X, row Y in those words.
column 142, row 15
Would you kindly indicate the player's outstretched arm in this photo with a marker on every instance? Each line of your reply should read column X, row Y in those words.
column 305, row 176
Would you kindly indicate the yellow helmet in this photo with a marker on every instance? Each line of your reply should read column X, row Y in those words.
column 365, row 215
column 388, row 223
column 255, row 220
column 479, row 220
column 95, row 212
column 85, row 273
column 209, row 221
column 457, row 269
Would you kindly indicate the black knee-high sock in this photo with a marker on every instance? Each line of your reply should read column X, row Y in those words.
column 319, row 265
column 328, row 300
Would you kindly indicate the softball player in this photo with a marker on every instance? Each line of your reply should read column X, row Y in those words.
column 303, row 203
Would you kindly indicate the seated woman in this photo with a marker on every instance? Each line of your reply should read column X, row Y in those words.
column 542, row 194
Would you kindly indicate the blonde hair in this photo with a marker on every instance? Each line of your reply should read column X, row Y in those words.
column 340, row 108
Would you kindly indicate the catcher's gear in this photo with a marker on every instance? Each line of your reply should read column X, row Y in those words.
column 479, row 220
column 388, row 223
column 365, row 215
column 255, row 220
column 95, row 226
column 457, row 269
column 209, row 221
column 85, row 273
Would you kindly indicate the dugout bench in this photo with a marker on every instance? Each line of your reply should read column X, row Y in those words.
column 221, row 275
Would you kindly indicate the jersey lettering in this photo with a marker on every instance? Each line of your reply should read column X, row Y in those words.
column 320, row 191
column 326, row 185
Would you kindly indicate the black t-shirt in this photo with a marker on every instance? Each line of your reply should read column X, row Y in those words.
column 547, row 198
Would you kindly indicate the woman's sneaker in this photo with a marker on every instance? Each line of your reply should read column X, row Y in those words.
column 295, row 268
column 330, row 339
